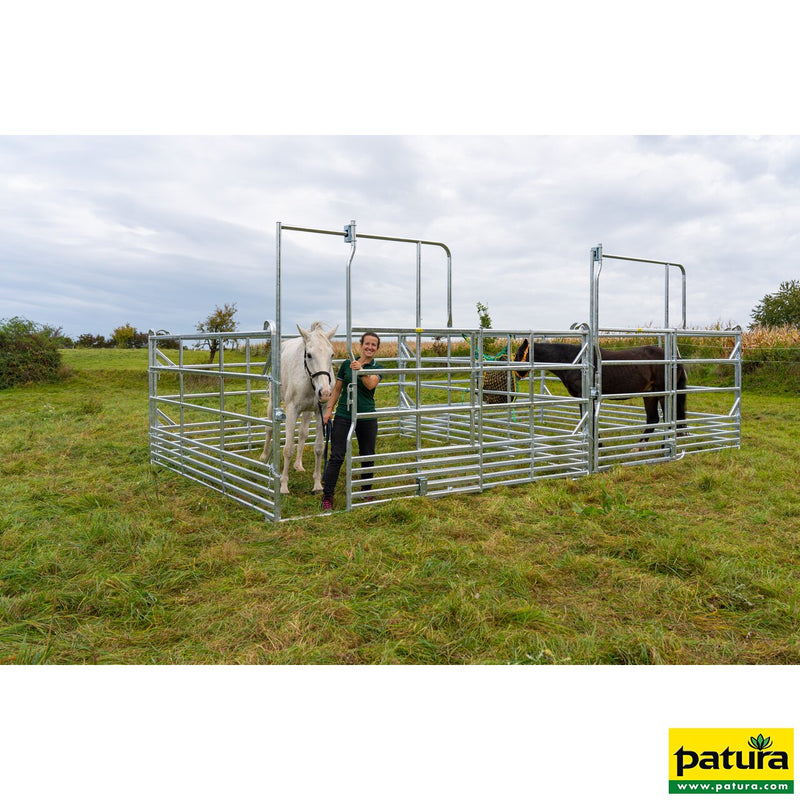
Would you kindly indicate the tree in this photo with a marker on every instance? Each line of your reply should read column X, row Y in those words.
column 221, row 320
column 484, row 320
column 28, row 352
column 91, row 340
column 124, row 335
column 780, row 308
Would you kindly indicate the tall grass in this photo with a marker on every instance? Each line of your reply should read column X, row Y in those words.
column 104, row 559
column 770, row 358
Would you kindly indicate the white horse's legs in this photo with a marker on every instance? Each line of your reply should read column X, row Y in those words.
column 319, row 446
column 263, row 457
column 288, row 449
column 305, row 422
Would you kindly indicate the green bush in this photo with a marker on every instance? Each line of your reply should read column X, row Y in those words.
column 28, row 353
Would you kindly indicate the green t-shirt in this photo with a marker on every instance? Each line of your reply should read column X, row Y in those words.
column 365, row 398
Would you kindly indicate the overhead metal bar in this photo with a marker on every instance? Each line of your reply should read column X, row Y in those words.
column 349, row 236
column 597, row 256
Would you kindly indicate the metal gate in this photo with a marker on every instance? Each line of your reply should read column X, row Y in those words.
column 444, row 432
column 713, row 412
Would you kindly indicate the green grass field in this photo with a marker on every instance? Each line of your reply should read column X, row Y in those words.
column 104, row 559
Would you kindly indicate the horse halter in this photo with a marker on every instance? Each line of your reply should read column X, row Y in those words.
column 312, row 375
column 519, row 372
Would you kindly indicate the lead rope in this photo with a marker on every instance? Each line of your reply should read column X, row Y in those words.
column 327, row 427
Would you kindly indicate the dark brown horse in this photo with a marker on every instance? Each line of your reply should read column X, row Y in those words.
column 630, row 378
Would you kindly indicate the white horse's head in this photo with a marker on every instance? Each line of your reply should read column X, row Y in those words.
column 318, row 359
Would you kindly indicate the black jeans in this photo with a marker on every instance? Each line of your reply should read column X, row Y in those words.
column 366, row 434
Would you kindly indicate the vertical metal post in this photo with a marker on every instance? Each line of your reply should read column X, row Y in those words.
column 152, row 381
column 737, row 371
column 278, row 286
column 683, row 295
column 418, row 346
column 248, row 389
column 595, row 268
column 593, row 354
column 352, row 392
column 531, row 396
column 221, row 384
column 670, row 385
column 274, row 458
column 275, row 378
column 350, row 238
column 449, row 289
column 419, row 286
column 480, row 407
column 182, row 396
column 401, row 365
column 474, row 387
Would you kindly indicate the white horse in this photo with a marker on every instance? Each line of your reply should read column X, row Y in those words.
column 306, row 386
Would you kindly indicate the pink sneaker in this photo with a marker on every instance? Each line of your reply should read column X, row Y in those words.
column 327, row 504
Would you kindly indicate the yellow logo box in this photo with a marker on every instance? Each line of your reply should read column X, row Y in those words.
column 720, row 754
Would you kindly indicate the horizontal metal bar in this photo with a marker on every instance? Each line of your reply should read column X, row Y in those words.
column 358, row 236
column 158, row 337
column 268, row 509
column 212, row 373
column 647, row 261
column 215, row 411
column 182, row 459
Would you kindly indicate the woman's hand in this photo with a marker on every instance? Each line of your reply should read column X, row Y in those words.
column 335, row 395
column 369, row 381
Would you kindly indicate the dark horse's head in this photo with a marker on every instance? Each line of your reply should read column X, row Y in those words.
column 522, row 354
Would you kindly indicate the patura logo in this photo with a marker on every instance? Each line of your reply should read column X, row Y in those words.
column 731, row 761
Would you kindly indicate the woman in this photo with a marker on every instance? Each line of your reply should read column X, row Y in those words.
column 366, row 429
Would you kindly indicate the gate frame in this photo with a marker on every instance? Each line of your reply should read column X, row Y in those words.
column 669, row 339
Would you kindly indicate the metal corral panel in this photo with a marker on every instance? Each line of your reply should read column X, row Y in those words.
column 207, row 421
column 439, row 434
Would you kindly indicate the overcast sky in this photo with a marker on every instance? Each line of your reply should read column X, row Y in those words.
column 156, row 230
